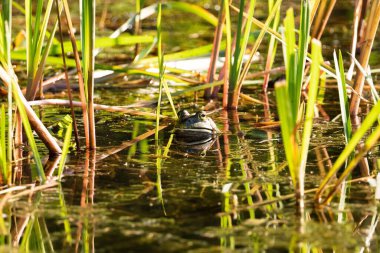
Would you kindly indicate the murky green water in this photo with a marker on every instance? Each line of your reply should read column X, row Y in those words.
column 233, row 196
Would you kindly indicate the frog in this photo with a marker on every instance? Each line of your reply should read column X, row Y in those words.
column 196, row 128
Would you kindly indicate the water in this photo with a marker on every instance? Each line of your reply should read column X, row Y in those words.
column 233, row 196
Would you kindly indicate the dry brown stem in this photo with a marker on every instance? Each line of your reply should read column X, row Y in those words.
column 373, row 23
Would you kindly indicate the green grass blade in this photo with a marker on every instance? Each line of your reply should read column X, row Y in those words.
column 6, row 19
column 194, row 9
column 233, row 69
column 161, row 68
column 343, row 98
column 302, row 49
column 3, row 156
column 290, row 62
column 29, row 39
column 189, row 53
column 309, row 114
column 288, row 130
column 65, row 149
column 146, row 51
column 37, row 24
column 24, row 247
column 228, row 53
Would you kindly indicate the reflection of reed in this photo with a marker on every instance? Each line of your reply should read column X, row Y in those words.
column 86, row 225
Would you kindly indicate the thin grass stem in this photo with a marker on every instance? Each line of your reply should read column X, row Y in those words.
column 309, row 114
column 161, row 68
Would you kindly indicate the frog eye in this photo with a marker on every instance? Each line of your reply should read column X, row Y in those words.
column 202, row 115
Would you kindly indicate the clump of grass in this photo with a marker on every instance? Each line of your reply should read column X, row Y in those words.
column 243, row 29
column 288, row 96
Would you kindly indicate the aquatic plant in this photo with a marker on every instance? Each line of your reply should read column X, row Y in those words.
column 87, row 9
column 243, row 29
column 288, row 96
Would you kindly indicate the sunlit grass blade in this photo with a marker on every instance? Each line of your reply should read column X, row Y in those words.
column 3, row 148
column 161, row 68
column 144, row 52
column 6, row 32
column 290, row 62
column 288, row 130
column 188, row 53
column 316, row 54
column 65, row 149
column 6, row 20
column 193, row 9
column 303, row 42
column 343, row 98
column 105, row 42
column 228, row 53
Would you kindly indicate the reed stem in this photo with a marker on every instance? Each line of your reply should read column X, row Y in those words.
column 373, row 23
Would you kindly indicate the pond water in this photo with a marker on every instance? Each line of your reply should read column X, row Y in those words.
column 234, row 195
